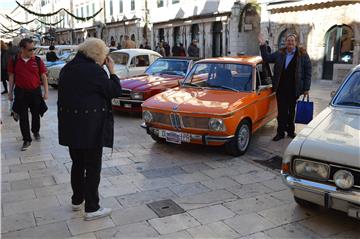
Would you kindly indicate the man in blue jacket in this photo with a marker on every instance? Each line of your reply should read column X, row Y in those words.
column 292, row 78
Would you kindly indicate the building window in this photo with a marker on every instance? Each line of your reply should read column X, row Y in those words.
column 77, row 13
column 160, row 3
column 87, row 10
column 121, row 6
column 93, row 8
column 175, row 1
column 82, row 12
column 111, row 7
column 132, row 5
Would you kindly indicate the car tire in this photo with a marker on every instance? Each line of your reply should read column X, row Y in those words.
column 157, row 139
column 239, row 145
column 304, row 203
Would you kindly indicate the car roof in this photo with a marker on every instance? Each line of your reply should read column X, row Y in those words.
column 136, row 51
column 180, row 58
column 250, row 60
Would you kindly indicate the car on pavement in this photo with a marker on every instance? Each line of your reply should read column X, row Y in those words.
column 221, row 101
column 60, row 50
column 132, row 62
column 54, row 70
column 162, row 74
column 321, row 165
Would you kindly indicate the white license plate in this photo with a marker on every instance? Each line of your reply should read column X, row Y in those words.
column 174, row 137
column 115, row 102
column 127, row 105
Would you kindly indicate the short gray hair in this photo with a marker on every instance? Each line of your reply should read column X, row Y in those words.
column 95, row 49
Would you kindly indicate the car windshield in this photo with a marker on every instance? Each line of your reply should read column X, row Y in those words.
column 120, row 57
column 168, row 66
column 349, row 94
column 227, row 76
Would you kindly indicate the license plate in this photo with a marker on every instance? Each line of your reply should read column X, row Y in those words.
column 115, row 102
column 174, row 137
column 127, row 105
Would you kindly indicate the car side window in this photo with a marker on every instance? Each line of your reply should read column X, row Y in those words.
column 140, row 61
column 263, row 75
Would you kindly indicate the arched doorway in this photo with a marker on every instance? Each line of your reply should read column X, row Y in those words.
column 133, row 37
column 195, row 32
column 281, row 39
column 161, row 35
column 176, row 36
column 217, row 39
column 339, row 48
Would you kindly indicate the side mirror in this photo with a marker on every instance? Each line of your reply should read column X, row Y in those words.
column 332, row 94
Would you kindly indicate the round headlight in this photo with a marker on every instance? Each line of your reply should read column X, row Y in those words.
column 216, row 124
column 344, row 179
column 147, row 116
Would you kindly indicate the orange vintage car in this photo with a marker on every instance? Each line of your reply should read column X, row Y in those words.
column 221, row 101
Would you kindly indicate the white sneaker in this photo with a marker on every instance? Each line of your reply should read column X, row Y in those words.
column 102, row 212
column 76, row 207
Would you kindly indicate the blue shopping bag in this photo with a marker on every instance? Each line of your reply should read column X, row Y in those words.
column 304, row 111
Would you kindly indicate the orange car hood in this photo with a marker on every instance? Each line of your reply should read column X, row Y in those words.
column 196, row 100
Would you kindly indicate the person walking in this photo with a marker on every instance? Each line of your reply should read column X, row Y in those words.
column 193, row 50
column 51, row 55
column 292, row 78
column 4, row 62
column 26, row 72
column 85, row 120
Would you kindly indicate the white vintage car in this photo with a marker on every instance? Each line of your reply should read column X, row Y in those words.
column 322, row 164
column 54, row 70
column 132, row 62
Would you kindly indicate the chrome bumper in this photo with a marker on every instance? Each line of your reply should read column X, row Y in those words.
column 328, row 192
column 206, row 139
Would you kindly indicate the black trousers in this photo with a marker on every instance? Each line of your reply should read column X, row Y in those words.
column 286, row 103
column 85, row 177
column 25, row 100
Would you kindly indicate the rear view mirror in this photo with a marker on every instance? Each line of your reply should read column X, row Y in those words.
column 332, row 94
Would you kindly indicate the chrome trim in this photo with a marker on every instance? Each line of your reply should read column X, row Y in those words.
column 320, row 188
column 344, row 167
column 130, row 101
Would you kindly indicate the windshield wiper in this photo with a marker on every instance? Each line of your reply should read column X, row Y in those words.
column 190, row 84
column 223, row 87
column 349, row 103
column 172, row 73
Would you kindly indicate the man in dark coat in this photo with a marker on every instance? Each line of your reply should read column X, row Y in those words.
column 193, row 50
column 292, row 78
column 86, row 123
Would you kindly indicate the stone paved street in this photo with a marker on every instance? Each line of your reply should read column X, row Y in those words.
column 223, row 196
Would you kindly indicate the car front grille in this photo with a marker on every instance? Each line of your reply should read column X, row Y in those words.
column 195, row 123
column 179, row 122
column 125, row 93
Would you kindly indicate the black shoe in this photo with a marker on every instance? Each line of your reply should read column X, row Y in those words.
column 278, row 137
column 292, row 135
column 37, row 136
column 25, row 145
column 4, row 92
column 15, row 116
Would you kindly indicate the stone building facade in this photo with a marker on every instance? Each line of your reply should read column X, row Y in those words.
column 330, row 31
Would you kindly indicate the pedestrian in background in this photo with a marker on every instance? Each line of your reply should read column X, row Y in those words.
column 128, row 43
column 193, row 50
column 292, row 78
column 182, row 50
column 4, row 63
column 86, row 122
column 51, row 55
column 26, row 72
column 112, row 46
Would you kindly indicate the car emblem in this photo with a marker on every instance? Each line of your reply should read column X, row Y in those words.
column 175, row 107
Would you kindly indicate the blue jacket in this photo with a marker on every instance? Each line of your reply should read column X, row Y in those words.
column 303, row 68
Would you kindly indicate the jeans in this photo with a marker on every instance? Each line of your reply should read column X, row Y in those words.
column 85, row 177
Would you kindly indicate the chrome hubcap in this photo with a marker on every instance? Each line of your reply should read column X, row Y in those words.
column 243, row 137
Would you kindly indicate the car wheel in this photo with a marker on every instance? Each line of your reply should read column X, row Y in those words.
column 241, row 142
column 304, row 203
column 157, row 139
